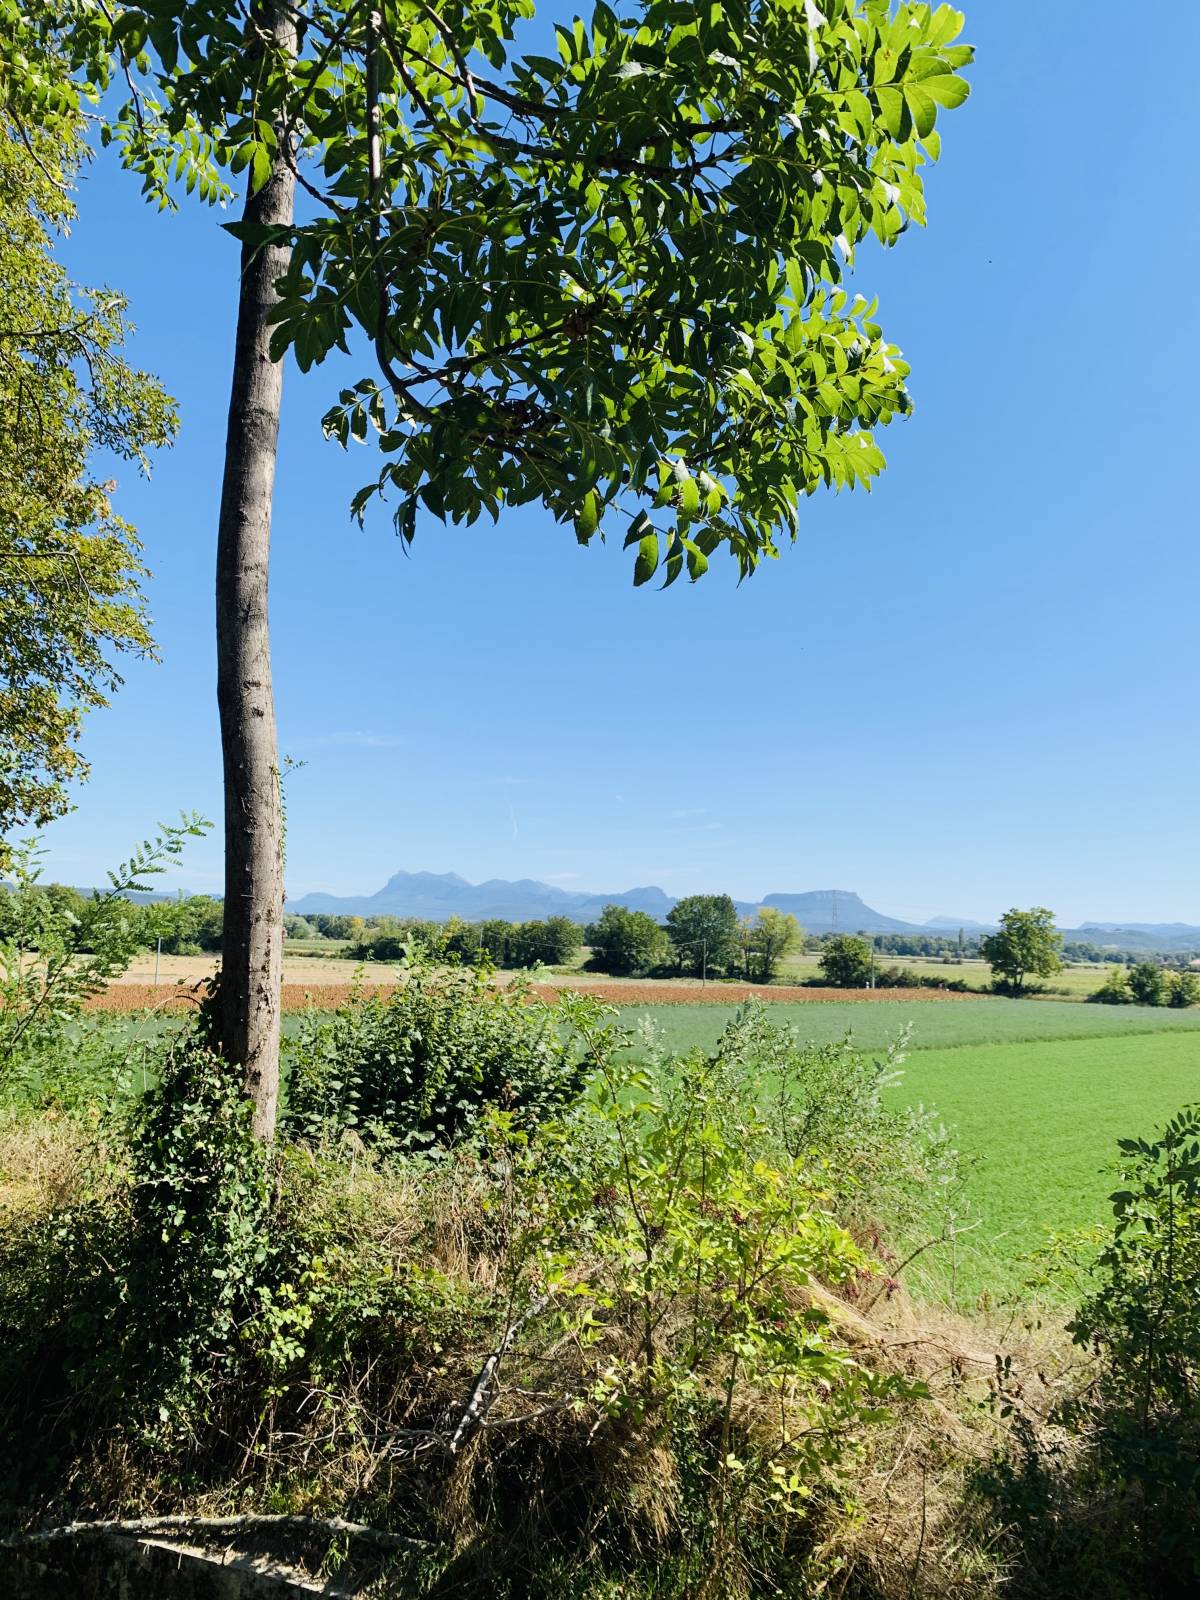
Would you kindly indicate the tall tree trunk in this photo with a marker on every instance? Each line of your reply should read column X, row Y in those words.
column 252, row 958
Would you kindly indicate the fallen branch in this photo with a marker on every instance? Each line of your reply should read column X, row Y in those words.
column 137, row 1526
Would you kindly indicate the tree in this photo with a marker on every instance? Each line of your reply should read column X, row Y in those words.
column 846, row 961
column 609, row 282
column 766, row 940
column 703, row 930
column 626, row 943
column 547, row 943
column 1183, row 989
column 1027, row 945
column 1148, row 984
column 70, row 567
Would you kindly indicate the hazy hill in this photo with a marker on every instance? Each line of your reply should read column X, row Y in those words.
column 438, row 896
column 821, row 910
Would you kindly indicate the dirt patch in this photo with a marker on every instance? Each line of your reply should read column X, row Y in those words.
column 125, row 997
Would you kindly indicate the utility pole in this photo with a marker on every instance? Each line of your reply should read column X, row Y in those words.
column 157, row 955
column 871, row 942
column 704, row 963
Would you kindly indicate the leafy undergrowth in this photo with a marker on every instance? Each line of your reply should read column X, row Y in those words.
column 648, row 1340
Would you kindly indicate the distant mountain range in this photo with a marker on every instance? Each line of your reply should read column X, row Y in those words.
column 437, row 896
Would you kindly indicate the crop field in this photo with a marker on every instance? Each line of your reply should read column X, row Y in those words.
column 1043, row 1119
column 972, row 1021
column 324, row 994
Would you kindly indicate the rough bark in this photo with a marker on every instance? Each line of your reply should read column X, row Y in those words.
column 252, row 957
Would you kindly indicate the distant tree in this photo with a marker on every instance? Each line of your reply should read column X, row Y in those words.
column 298, row 927
column 1114, row 991
column 626, row 943
column 497, row 940
column 1148, row 984
column 703, row 930
column 332, row 925
column 846, row 961
column 1183, row 989
column 548, row 943
column 1027, row 945
column 766, row 940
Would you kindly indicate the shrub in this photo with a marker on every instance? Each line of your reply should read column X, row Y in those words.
column 1142, row 1415
column 1114, row 991
column 1147, row 984
column 420, row 1068
column 1183, row 989
column 846, row 962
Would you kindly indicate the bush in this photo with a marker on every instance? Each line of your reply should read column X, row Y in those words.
column 421, row 1067
column 846, row 962
column 629, row 1316
column 1142, row 1415
column 1183, row 989
column 1114, row 991
column 1147, row 984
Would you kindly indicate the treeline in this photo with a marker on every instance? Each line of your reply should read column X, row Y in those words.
column 189, row 925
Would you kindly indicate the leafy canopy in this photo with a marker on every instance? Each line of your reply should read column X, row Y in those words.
column 70, row 567
column 607, row 279
column 1027, row 945
column 846, row 961
column 703, row 930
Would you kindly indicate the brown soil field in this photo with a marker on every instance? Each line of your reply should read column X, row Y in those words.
column 132, row 996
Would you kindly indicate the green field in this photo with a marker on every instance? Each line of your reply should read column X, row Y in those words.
column 933, row 1023
column 1035, row 1094
column 1043, row 1120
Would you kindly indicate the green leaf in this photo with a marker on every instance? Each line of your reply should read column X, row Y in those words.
column 947, row 89
column 646, row 564
column 697, row 561
column 637, row 530
column 894, row 112
column 587, row 519
column 921, row 106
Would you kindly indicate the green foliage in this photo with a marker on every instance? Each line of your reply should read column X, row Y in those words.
column 1183, row 989
column 56, row 951
column 1147, row 984
column 608, row 279
column 1143, row 1323
column 704, row 932
column 846, row 962
column 421, row 1068
column 765, row 940
column 70, row 567
column 121, row 1308
column 626, row 943
column 1027, row 945
column 1115, row 990
column 677, row 1244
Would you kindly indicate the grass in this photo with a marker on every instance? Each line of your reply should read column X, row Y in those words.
column 976, row 1022
column 1043, row 1119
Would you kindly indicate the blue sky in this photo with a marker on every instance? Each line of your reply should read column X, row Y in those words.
column 976, row 687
